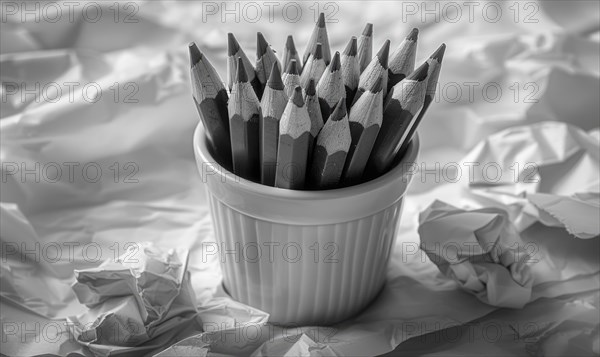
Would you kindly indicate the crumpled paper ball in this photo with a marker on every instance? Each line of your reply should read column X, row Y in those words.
column 481, row 250
column 133, row 298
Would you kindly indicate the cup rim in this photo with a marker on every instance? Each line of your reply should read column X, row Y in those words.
column 202, row 152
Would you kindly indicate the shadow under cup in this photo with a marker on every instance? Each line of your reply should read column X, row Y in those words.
column 305, row 257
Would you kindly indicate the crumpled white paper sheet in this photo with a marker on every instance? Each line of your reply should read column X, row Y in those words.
column 547, row 327
column 137, row 297
column 481, row 250
column 159, row 197
column 578, row 213
column 543, row 171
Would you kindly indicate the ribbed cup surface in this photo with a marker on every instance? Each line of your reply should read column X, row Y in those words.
column 317, row 274
column 305, row 257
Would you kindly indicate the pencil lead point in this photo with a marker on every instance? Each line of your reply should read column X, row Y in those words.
column 335, row 63
column 241, row 75
column 232, row 45
column 289, row 44
column 378, row 85
column 318, row 54
column 368, row 30
column 420, row 73
column 261, row 45
column 339, row 112
column 296, row 97
column 275, row 81
column 351, row 47
column 195, row 54
column 438, row 55
column 321, row 22
column 413, row 35
column 311, row 88
column 292, row 67
column 383, row 54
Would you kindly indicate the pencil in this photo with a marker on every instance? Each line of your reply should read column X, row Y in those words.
column 404, row 101
column 365, row 47
column 350, row 70
column 402, row 60
column 292, row 152
column 435, row 65
column 290, row 53
column 244, row 119
column 210, row 96
column 265, row 58
column 314, row 67
column 331, row 149
column 319, row 35
column 330, row 88
column 291, row 78
column 365, row 120
column 272, row 104
column 234, row 52
column 314, row 112
column 377, row 68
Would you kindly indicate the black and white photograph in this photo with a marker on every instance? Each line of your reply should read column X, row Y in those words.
column 300, row 178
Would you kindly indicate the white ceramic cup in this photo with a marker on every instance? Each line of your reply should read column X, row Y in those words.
column 305, row 257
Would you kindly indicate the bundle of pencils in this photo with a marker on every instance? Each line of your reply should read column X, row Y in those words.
column 319, row 121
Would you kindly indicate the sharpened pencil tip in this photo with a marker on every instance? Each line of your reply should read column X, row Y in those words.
column 261, row 45
column 321, row 22
column 351, row 47
column 413, row 35
column 377, row 85
column 232, row 45
column 311, row 88
column 368, row 30
column 275, row 81
column 292, row 67
column 195, row 54
column 241, row 75
column 339, row 112
column 383, row 54
column 296, row 97
column 438, row 55
column 289, row 44
column 335, row 64
column 318, row 54
column 420, row 73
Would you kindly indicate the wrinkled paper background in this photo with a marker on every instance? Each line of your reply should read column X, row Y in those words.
column 128, row 174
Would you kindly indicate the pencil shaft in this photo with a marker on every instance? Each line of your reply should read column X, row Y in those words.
column 273, row 104
column 435, row 65
column 350, row 71
column 245, row 146
column 316, row 117
column 365, row 47
column 291, row 161
column 210, row 97
column 359, row 152
column 411, row 133
column 244, row 118
column 406, row 100
column 327, row 171
column 292, row 151
column 376, row 69
column 365, row 121
column 331, row 149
